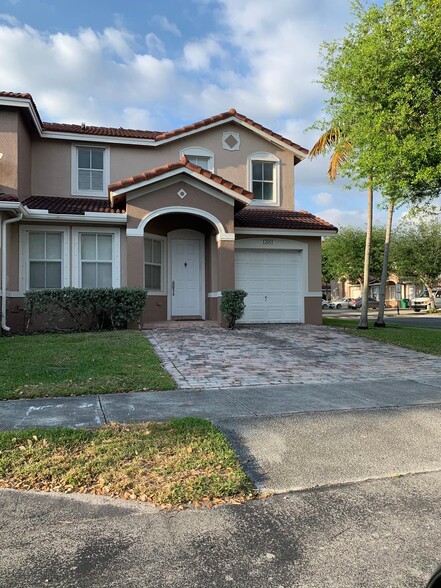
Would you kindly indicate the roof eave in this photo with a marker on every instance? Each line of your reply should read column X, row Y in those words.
column 285, row 232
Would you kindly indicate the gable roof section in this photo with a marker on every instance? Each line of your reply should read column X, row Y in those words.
column 176, row 168
column 262, row 218
column 233, row 115
column 113, row 134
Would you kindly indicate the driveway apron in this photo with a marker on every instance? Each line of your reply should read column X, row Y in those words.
column 281, row 354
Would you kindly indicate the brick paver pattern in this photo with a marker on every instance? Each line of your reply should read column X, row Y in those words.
column 280, row 354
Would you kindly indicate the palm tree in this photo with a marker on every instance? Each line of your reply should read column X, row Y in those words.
column 380, row 317
column 334, row 139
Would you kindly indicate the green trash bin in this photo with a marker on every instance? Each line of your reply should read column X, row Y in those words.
column 405, row 303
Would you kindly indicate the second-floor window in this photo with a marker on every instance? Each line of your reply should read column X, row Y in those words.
column 263, row 180
column 264, row 171
column 90, row 173
column 199, row 156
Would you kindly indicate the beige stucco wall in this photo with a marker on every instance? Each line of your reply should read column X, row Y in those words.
column 51, row 160
column 9, row 148
column 25, row 160
column 51, row 167
column 138, row 207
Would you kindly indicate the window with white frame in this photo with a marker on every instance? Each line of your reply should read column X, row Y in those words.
column 96, row 257
column 154, row 263
column 199, row 156
column 90, row 170
column 45, row 260
column 44, row 257
column 96, row 260
column 264, row 170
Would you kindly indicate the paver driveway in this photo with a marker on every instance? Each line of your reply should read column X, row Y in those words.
column 281, row 354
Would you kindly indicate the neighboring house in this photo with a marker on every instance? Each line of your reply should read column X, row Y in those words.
column 396, row 290
column 214, row 210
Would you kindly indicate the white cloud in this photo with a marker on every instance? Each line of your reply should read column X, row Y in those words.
column 89, row 76
column 154, row 43
column 343, row 218
column 279, row 43
column 167, row 25
column 323, row 199
column 198, row 54
column 137, row 118
column 11, row 20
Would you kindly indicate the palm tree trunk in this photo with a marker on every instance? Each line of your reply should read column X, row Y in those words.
column 380, row 318
column 363, row 323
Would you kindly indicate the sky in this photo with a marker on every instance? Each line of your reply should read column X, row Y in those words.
column 157, row 65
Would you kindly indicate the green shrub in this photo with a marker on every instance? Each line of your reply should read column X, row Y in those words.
column 84, row 309
column 233, row 306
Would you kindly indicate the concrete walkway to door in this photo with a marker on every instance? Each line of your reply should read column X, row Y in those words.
column 205, row 358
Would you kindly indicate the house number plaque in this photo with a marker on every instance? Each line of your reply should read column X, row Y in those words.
column 268, row 241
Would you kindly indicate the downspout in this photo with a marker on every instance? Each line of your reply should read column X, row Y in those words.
column 6, row 222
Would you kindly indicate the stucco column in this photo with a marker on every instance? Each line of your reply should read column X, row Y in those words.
column 225, row 279
column 135, row 262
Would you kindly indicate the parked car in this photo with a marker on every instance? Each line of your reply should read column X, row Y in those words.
column 340, row 303
column 423, row 301
column 325, row 304
column 355, row 304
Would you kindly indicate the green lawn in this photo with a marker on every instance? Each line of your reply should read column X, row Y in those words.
column 416, row 338
column 79, row 363
column 182, row 461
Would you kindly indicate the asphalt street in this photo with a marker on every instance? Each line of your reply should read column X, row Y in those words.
column 376, row 534
column 365, row 514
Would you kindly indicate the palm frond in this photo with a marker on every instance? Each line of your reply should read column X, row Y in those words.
column 327, row 140
column 338, row 158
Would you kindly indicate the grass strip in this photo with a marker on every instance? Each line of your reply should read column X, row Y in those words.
column 420, row 339
column 181, row 461
column 71, row 364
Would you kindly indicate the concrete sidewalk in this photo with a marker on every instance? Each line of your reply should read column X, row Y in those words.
column 218, row 404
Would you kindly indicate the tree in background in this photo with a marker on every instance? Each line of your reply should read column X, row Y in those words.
column 385, row 98
column 416, row 252
column 343, row 255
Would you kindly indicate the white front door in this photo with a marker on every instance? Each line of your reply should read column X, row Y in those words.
column 185, row 277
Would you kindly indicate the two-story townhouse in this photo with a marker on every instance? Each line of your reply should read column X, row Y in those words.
column 186, row 214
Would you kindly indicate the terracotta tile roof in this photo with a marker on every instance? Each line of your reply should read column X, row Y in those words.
column 155, row 135
column 276, row 218
column 101, row 131
column 224, row 115
column 183, row 163
column 22, row 96
column 61, row 205
column 8, row 198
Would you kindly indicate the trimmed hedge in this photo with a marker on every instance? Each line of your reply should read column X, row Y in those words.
column 84, row 309
column 233, row 306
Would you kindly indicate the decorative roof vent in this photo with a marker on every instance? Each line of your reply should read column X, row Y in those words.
column 231, row 141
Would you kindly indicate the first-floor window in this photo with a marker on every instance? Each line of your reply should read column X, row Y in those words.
column 96, row 260
column 45, row 259
column 153, row 264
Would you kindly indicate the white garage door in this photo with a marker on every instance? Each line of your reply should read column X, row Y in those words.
column 272, row 280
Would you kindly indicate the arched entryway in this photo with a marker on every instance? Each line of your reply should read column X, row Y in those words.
column 188, row 261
